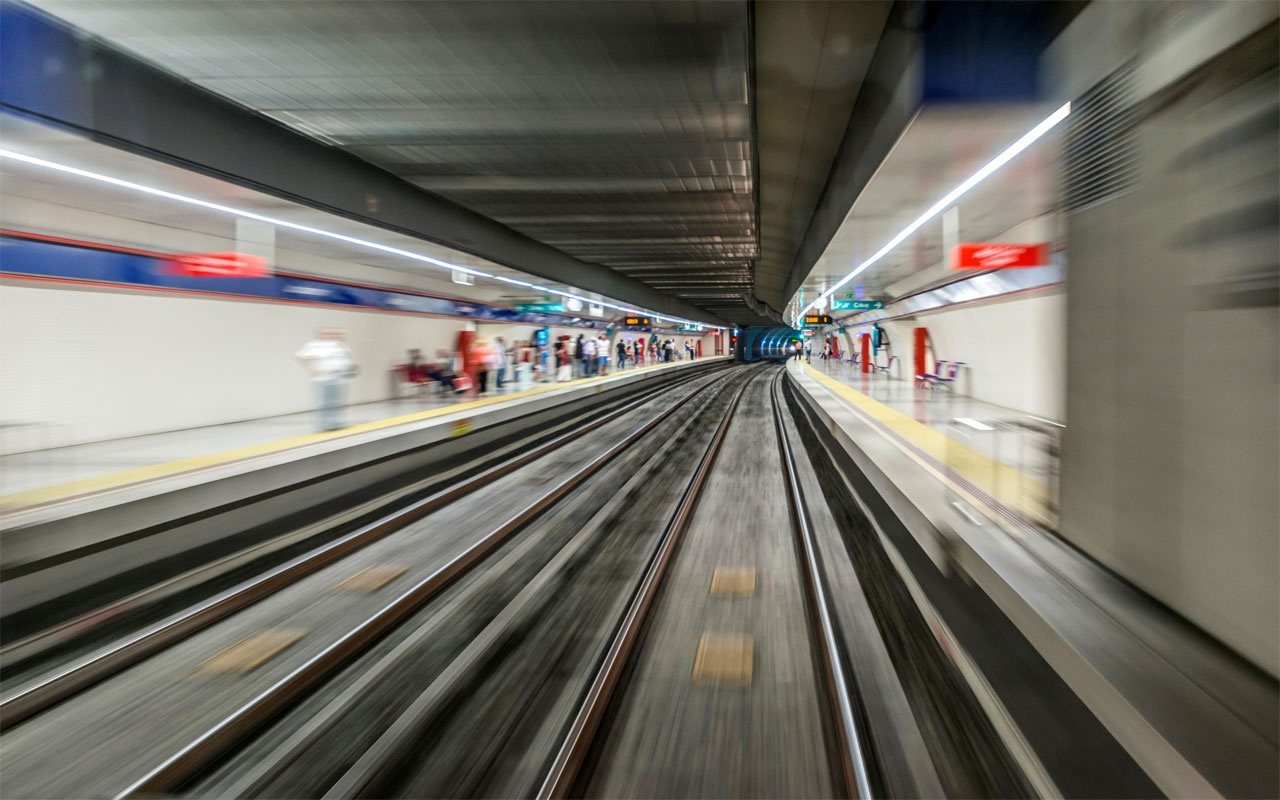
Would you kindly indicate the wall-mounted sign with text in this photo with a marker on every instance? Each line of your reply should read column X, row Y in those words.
column 817, row 319
column 219, row 265
column 999, row 256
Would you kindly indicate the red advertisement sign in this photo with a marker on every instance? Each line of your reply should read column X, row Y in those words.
column 983, row 255
column 219, row 265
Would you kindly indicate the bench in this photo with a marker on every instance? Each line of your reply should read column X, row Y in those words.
column 887, row 367
column 942, row 377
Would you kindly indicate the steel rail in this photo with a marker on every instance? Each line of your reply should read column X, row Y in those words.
column 569, row 760
column 217, row 740
column 851, row 751
column 33, row 698
column 390, row 744
column 36, row 644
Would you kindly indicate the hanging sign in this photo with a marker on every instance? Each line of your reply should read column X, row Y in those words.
column 636, row 321
column 999, row 256
column 817, row 319
column 856, row 305
column 541, row 308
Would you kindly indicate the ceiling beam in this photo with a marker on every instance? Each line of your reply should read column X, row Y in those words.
column 124, row 102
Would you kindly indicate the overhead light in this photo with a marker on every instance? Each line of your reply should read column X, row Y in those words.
column 296, row 226
column 973, row 423
column 1007, row 155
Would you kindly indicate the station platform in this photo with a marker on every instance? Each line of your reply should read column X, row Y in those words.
column 41, row 478
column 1194, row 716
column 112, row 512
column 1007, row 458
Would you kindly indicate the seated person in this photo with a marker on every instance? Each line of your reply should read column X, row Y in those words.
column 442, row 371
column 417, row 368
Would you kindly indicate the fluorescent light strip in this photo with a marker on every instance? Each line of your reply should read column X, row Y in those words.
column 151, row 190
column 973, row 180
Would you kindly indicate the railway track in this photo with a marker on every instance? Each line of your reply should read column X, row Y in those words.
column 558, row 468
column 521, row 663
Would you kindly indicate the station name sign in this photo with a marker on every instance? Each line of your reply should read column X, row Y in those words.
column 999, row 256
column 817, row 319
column 636, row 321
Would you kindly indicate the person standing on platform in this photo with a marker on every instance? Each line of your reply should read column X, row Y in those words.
column 524, row 366
column 328, row 360
column 484, row 360
column 688, row 349
column 579, row 356
column 564, row 371
column 589, row 356
column 602, row 354
column 622, row 354
column 500, row 358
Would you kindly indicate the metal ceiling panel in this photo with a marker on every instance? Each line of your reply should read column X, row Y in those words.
column 633, row 119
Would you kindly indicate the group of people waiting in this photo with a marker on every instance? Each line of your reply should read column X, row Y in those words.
column 523, row 362
column 591, row 356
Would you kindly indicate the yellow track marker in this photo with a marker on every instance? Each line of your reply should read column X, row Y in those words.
column 369, row 579
column 724, row 660
column 733, row 582
column 250, row 652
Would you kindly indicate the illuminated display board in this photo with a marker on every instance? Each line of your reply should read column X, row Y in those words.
column 817, row 319
column 636, row 321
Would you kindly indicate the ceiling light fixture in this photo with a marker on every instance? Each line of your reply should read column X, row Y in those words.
column 1007, row 155
column 239, row 212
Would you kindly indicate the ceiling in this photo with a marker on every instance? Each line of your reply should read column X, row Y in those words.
column 943, row 145
column 178, row 227
column 684, row 144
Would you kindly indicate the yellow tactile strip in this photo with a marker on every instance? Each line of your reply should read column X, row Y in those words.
column 731, row 582
column 724, row 660
column 369, row 579
column 249, row 653
column 1005, row 484
column 72, row 490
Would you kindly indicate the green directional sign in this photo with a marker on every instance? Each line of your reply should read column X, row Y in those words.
column 856, row 305
column 541, row 308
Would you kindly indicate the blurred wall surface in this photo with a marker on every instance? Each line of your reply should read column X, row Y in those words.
column 96, row 365
column 1171, row 457
column 1022, row 372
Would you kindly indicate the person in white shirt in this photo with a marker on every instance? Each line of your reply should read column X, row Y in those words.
column 589, row 356
column 329, row 361
column 500, row 361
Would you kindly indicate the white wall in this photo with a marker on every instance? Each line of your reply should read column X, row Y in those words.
column 110, row 364
column 1015, row 349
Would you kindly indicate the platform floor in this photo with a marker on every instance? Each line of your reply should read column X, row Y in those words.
column 939, row 408
column 41, row 469
column 1008, row 455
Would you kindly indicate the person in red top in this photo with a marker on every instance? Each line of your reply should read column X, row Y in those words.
column 485, row 357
